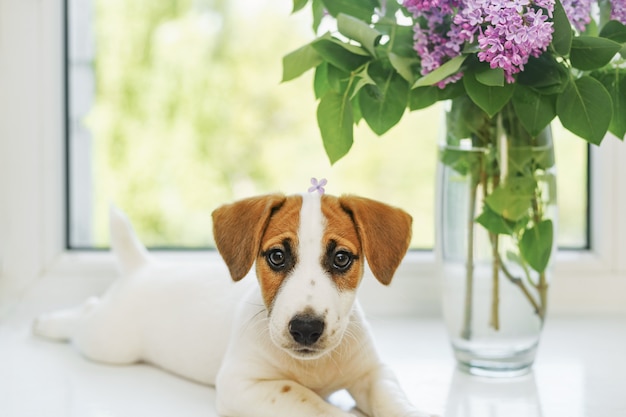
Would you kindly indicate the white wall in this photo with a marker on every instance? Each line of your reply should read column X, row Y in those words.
column 31, row 123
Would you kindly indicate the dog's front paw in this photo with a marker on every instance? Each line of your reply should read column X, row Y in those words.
column 50, row 326
column 61, row 325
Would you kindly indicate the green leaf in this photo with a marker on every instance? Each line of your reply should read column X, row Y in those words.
column 362, row 9
column 512, row 200
column 490, row 99
column 363, row 78
column 298, row 5
column 321, row 85
column 589, row 53
column 615, row 82
column 356, row 110
column 404, row 66
column 604, row 12
column 545, row 74
column 591, row 29
column 299, row 61
column 490, row 77
column 319, row 11
column 585, row 109
column 452, row 91
column 359, row 31
column 614, row 31
column 462, row 161
column 536, row 245
column 383, row 104
column 535, row 111
column 523, row 160
column 329, row 78
column 392, row 7
column 447, row 69
column 338, row 79
column 495, row 223
column 338, row 54
column 349, row 47
column 335, row 119
column 400, row 39
column 562, row 35
column 422, row 97
column 465, row 120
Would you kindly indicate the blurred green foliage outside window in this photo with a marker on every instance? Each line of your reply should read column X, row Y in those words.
column 188, row 113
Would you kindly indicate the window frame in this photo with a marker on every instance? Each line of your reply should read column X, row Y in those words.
column 33, row 211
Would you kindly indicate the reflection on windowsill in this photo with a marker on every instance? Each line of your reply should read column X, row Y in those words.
column 471, row 396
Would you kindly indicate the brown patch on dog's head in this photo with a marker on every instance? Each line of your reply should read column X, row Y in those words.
column 278, row 243
column 340, row 240
column 384, row 232
column 238, row 228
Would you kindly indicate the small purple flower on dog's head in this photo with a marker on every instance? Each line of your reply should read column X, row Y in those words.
column 318, row 185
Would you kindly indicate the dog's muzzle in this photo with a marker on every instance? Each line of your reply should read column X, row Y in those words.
column 306, row 329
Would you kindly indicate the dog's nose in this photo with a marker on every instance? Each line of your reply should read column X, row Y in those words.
column 306, row 329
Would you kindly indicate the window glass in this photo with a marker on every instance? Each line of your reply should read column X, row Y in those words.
column 176, row 107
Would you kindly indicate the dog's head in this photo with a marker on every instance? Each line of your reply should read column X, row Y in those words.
column 309, row 252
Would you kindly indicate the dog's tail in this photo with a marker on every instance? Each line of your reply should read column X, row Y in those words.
column 129, row 251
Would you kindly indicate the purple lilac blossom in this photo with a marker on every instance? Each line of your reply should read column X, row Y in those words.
column 547, row 5
column 508, row 32
column 578, row 12
column 513, row 39
column 618, row 10
column 433, row 45
column 443, row 6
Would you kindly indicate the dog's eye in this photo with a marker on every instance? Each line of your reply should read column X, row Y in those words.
column 342, row 260
column 276, row 258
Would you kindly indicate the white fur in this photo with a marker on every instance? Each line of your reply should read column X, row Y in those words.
column 310, row 288
column 195, row 322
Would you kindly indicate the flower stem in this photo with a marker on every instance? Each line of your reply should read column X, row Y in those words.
column 537, row 306
column 542, row 286
column 466, row 331
column 495, row 266
column 543, row 295
column 495, row 271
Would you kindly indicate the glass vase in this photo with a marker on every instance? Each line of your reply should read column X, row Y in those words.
column 496, row 232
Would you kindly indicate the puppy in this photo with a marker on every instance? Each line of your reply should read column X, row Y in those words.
column 275, row 346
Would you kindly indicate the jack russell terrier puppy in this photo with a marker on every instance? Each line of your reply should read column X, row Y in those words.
column 275, row 346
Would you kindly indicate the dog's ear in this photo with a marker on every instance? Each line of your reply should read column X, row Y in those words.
column 238, row 227
column 385, row 233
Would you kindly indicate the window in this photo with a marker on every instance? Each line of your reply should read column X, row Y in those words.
column 176, row 107
column 32, row 181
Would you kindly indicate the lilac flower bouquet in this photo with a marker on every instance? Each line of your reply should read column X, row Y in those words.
column 507, row 69
column 542, row 58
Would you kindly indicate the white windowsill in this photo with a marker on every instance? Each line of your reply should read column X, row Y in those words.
column 569, row 378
